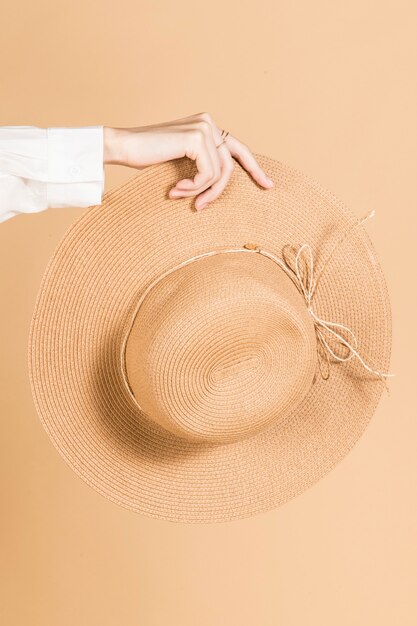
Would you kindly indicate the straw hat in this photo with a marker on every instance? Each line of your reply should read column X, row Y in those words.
column 208, row 366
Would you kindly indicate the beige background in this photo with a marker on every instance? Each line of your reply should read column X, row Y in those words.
column 328, row 87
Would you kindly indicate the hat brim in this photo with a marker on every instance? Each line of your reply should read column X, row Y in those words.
column 97, row 272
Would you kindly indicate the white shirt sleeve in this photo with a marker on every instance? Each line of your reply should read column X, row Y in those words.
column 50, row 167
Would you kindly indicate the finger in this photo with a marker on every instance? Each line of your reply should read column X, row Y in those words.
column 190, row 185
column 203, row 150
column 228, row 165
column 245, row 157
column 201, row 182
column 199, row 153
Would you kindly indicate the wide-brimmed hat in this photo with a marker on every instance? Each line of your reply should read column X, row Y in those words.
column 205, row 366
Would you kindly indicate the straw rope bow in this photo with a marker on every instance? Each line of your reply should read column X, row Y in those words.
column 306, row 282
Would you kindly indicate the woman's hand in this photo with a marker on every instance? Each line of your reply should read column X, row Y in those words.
column 195, row 137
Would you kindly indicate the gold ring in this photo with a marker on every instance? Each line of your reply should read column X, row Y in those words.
column 223, row 136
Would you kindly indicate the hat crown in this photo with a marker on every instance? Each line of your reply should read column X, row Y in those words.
column 220, row 348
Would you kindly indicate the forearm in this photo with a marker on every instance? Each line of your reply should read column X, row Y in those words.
column 113, row 139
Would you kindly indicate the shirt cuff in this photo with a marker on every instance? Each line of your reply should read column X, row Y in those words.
column 75, row 167
column 75, row 154
column 50, row 167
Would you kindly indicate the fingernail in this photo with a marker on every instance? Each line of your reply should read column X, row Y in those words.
column 269, row 181
column 201, row 206
column 175, row 192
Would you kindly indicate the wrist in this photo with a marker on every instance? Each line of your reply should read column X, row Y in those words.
column 113, row 145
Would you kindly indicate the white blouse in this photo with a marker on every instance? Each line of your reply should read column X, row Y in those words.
column 50, row 167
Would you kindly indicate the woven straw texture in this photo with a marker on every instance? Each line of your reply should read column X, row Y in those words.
column 85, row 302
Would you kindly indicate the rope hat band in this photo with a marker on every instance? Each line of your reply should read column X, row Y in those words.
column 175, row 366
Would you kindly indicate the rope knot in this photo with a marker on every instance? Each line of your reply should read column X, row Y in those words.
column 341, row 344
